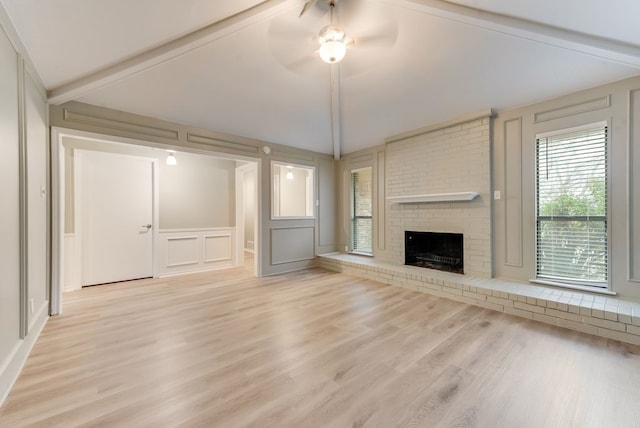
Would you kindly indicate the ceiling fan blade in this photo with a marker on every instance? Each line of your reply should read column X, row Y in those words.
column 306, row 7
column 292, row 44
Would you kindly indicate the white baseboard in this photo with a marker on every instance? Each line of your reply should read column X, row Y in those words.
column 14, row 363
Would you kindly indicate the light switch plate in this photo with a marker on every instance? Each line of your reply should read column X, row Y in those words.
column 496, row 194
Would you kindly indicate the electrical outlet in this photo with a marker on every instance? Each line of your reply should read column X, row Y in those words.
column 496, row 194
column 346, row 249
column 31, row 304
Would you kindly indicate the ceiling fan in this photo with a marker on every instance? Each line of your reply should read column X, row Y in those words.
column 332, row 39
column 297, row 40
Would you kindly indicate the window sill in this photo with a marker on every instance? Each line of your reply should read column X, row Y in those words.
column 360, row 253
column 573, row 286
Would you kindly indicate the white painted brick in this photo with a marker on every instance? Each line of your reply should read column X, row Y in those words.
column 476, row 296
column 500, row 301
column 545, row 318
column 585, row 312
column 453, row 291
column 632, row 329
column 625, row 318
column 468, row 300
column 578, row 326
column 574, row 309
column 518, row 312
column 528, row 307
column 564, row 315
column 618, row 335
column 598, row 322
column 490, row 305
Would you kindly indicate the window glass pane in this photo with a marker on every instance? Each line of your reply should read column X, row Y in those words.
column 361, row 209
column 572, row 206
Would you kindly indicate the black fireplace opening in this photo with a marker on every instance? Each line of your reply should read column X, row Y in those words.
column 434, row 250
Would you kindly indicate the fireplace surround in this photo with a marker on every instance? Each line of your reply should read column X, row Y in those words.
column 434, row 250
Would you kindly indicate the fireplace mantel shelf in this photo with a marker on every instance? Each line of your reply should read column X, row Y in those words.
column 433, row 197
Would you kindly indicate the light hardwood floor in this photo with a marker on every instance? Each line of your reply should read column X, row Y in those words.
column 312, row 349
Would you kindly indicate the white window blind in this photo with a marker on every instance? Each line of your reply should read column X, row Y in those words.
column 361, row 209
column 571, row 207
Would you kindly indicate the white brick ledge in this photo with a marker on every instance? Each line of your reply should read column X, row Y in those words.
column 605, row 316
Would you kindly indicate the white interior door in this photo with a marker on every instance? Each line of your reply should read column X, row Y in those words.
column 117, row 211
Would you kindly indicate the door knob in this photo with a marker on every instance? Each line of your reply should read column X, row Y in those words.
column 148, row 226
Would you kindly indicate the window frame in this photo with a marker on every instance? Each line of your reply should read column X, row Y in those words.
column 352, row 216
column 594, row 286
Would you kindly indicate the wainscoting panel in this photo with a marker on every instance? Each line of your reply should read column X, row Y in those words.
column 194, row 250
column 513, row 192
column 182, row 251
column 292, row 244
column 217, row 248
column 634, row 185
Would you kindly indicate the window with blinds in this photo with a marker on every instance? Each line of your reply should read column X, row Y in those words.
column 571, row 207
column 361, row 209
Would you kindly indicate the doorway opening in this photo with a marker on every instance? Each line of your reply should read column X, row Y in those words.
column 203, row 212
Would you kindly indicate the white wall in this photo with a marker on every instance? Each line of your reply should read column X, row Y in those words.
column 10, row 214
column 198, row 192
column 23, row 216
column 37, row 194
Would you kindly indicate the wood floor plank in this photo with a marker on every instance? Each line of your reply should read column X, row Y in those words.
column 311, row 348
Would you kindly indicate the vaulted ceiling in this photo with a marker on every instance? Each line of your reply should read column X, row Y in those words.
column 249, row 68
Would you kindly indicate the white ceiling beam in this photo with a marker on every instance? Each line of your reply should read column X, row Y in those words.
column 168, row 51
column 599, row 47
column 336, row 110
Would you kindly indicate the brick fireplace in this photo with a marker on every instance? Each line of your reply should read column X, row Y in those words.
column 451, row 160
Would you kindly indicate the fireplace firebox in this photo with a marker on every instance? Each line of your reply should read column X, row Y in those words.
column 434, row 250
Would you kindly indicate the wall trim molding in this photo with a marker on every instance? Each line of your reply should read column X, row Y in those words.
column 183, row 263
column 312, row 256
column 89, row 119
column 633, row 272
column 506, row 191
column 573, row 109
column 219, row 259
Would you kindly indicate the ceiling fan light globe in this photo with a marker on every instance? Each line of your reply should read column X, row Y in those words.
column 331, row 32
column 332, row 51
